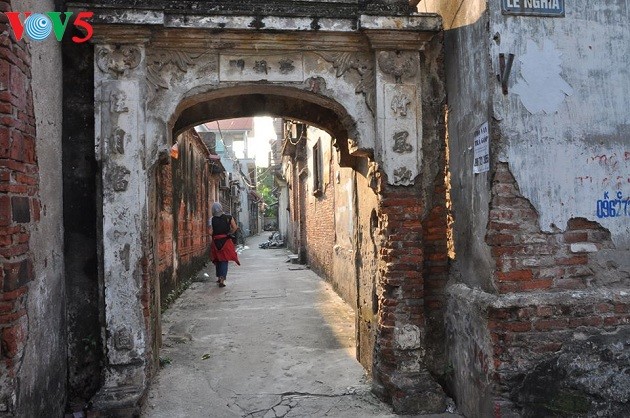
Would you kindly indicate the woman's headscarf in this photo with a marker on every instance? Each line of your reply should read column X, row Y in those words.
column 217, row 209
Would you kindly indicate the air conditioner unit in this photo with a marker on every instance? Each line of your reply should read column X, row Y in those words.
column 225, row 182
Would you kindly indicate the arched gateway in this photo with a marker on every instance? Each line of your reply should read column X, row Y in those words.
column 368, row 72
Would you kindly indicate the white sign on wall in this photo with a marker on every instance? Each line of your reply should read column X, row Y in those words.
column 482, row 149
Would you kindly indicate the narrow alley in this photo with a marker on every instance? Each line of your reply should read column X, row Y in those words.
column 277, row 341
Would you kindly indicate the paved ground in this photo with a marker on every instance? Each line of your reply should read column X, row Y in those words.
column 276, row 342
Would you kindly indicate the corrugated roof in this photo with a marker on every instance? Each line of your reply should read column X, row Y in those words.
column 238, row 124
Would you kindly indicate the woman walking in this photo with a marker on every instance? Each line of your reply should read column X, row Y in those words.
column 222, row 248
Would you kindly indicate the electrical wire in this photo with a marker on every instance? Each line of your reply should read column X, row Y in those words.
column 287, row 136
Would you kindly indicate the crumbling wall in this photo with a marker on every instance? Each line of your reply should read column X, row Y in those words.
column 539, row 295
column 32, row 299
column 366, row 251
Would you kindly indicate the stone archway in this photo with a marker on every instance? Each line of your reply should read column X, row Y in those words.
column 365, row 79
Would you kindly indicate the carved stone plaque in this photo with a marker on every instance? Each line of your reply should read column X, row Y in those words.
column 265, row 67
column 401, row 136
column 119, row 178
column 123, row 339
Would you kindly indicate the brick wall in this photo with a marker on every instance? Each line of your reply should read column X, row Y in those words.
column 320, row 230
column 184, row 189
column 19, row 205
column 554, row 311
column 528, row 259
column 165, row 221
column 320, row 219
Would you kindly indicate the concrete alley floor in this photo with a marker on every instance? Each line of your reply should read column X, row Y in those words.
column 276, row 342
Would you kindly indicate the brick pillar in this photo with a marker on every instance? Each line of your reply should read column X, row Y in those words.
column 400, row 372
column 19, row 204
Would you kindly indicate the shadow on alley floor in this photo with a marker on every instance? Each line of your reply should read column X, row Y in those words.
column 276, row 342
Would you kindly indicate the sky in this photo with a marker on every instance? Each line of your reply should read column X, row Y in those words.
column 263, row 132
column 258, row 144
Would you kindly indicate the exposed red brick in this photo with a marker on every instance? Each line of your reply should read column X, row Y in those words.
column 13, row 339
column 574, row 260
column 571, row 237
column 551, row 324
column 594, row 321
column 603, row 307
column 5, row 210
column 570, row 284
column 515, row 276
column 582, row 223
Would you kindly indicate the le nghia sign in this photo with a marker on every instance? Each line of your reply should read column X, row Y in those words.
column 551, row 8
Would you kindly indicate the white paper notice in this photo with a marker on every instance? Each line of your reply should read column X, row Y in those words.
column 482, row 149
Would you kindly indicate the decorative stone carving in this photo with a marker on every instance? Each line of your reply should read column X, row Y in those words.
column 344, row 61
column 119, row 178
column 400, row 104
column 157, row 60
column 261, row 67
column 118, row 102
column 316, row 85
column 402, row 176
column 118, row 60
column 286, row 66
column 117, row 141
column 401, row 145
column 123, row 339
column 398, row 64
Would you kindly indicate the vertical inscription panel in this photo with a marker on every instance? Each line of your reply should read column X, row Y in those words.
column 119, row 119
column 401, row 144
column 124, row 200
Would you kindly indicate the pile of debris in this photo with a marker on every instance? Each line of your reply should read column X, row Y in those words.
column 275, row 241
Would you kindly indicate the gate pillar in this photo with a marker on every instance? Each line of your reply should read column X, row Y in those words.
column 400, row 373
column 120, row 149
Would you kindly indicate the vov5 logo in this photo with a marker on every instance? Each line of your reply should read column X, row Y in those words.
column 38, row 26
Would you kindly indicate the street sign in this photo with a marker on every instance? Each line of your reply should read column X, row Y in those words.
column 547, row 8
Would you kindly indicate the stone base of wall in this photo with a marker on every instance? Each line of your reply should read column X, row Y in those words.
column 554, row 339
column 540, row 354
column 119, row 402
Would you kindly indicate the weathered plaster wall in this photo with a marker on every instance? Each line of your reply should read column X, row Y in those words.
column 466, row 66
column 366, row 248
column 538, row 229
column 44, row 368
column 32, row 300
column 566, row 114
column 344, row 269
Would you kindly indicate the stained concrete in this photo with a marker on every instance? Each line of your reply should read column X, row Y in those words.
column 277, row 341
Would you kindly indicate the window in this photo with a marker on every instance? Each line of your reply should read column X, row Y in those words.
column 318, row 169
